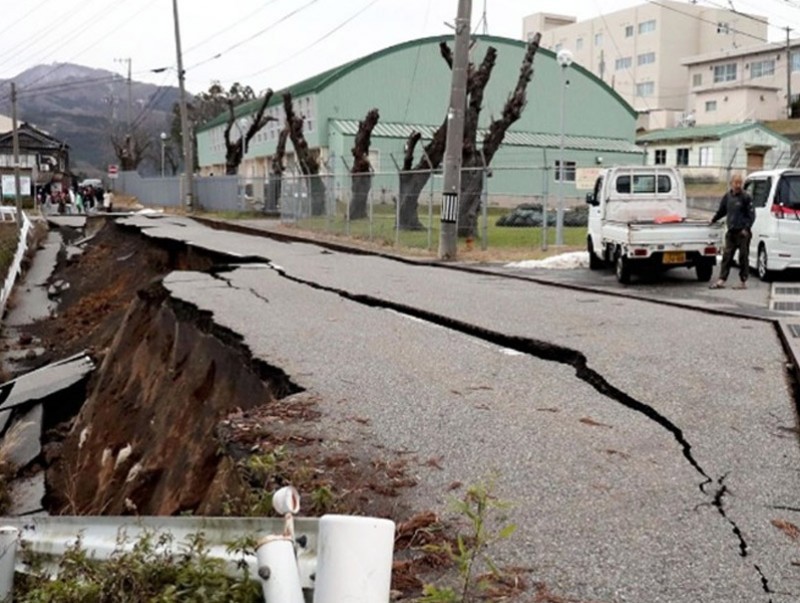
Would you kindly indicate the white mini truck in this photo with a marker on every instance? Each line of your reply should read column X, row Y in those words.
column 638, row 224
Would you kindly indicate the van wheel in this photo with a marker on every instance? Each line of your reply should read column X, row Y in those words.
column 622, row 268
column 764, row 273
column 595, row 263
column 704, row 270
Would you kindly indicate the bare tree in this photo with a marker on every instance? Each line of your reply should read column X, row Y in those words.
column 412, row 181
column 276, row 172
column 361, row 172
column 308, row 161
column 235, row 150
column 475, row 159
column 131, row 148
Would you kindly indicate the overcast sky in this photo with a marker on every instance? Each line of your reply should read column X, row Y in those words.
column 267, row 43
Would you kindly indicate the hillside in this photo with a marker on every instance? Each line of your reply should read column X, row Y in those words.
column 81, row 106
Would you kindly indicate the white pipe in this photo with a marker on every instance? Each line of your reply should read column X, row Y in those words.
column 277, row 568
column 354, row 560
column 8, row 553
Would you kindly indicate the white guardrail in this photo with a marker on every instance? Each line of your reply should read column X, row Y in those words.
column 339, row 558
column 22, row 247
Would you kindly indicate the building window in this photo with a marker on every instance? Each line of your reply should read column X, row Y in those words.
column 622, row 63
column 661, row 156
column 762, row 68
column 723, row 28
column 629, row 31
column 579, row 44
column 646, row 59
column 682, row 157
column 697, row 79
column 711, row 106
column 796, row 61
column 725, row 73
column 647, row 26
column 645, row 89
column 598, row 39
column 706, row 156
column 569, row 171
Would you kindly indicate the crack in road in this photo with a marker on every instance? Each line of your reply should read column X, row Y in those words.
column 563, row 355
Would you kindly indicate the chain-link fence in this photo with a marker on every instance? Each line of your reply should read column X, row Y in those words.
column 403, row 208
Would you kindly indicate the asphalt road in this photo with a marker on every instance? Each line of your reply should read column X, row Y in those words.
column 649, row 449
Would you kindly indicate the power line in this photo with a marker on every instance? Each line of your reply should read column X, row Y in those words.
column 315, row 42
column 231, row 26
column 254, row 36
column 23, row 17
column 699, row 18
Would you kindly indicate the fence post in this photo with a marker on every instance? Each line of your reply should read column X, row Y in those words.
column 485, row 204
column 430, row 213
column 545, row 194
column 8, row 553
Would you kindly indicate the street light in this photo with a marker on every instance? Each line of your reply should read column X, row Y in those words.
column 163, row 143
column 564, row 58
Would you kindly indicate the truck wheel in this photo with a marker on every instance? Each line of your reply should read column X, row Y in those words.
column 595, row 263
column 764, row 273
column 704, row 270
column 622, row 268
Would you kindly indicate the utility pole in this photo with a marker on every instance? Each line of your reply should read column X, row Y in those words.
column 788, row 75
column 188, row 157
column 15, row 148
column 128, row 134
column 455, row 135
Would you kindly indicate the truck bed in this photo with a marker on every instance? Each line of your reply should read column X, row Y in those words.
column 669, row 234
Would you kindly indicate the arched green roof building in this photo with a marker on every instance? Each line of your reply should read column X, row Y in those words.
column 410, row 85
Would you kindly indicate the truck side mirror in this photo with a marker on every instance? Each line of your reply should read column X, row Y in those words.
column 590, row 199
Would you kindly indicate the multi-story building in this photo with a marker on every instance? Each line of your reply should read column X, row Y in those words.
column 757, row 83
column 640, row 51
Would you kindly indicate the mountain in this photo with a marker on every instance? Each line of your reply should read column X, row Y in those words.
column 82, row 106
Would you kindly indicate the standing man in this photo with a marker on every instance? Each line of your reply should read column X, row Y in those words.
column 737, row 205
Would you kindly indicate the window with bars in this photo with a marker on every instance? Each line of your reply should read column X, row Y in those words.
column 661, row 157
column 645, row 89
column 725, row 73
column 762, row 68
column 622, row 63
column 567, row 174
column 646, row 58
column 682, row 156
column 647, row 26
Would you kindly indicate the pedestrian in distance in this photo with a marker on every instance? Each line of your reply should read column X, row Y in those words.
column 736, row 206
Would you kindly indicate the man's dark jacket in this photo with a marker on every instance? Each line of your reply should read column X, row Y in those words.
column 738, row 207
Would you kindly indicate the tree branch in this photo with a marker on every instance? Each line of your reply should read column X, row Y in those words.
column 361, row 144
column 408, row 151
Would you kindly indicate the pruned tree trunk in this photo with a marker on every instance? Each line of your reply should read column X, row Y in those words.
column 414, row 179
column 276, row 173
column 472, row 157
column 235, row 150
column 361, row 173
column 308, row 162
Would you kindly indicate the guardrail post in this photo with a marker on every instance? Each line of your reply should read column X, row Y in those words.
column 277, row 569
column 354, row 559
column 8, row 553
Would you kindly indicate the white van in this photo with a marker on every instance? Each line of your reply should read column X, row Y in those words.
column 775, row 245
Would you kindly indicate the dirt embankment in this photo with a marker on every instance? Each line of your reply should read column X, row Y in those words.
column 179, row 417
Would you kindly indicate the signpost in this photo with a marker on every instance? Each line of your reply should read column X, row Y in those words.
column 113, row 171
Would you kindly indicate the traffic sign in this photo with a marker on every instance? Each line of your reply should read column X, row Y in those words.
column 113, row 170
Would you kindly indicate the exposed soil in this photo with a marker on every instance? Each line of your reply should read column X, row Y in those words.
column 180, row 418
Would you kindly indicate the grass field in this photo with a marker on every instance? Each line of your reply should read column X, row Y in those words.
column 380, row 230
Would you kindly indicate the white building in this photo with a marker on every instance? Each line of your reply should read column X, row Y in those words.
column 743, row 84
column 640, row 51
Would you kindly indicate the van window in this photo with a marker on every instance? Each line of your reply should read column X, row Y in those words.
column 643, row 184
column 788, row 191
column 759, row 190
